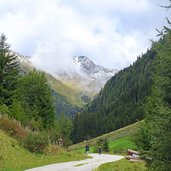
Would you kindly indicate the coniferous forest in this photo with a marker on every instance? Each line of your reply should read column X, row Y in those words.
column 120, row 102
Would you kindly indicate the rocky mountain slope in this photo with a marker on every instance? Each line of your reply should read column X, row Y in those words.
column 86, row 75
column 67, row 99
column 72, row 89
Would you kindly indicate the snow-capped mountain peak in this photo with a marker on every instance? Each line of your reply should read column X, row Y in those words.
column 86, row 75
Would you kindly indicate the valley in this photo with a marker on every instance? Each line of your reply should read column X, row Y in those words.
column 94, row 94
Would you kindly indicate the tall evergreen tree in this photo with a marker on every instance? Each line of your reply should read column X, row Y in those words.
column 154, row 136
column 9, row 71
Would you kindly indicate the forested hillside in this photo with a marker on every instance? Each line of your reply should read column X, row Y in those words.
column 121, row 101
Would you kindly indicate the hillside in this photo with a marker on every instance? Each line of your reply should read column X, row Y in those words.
column 13, row 157
column 67, row 99
column 112, row 136
column 120, row 102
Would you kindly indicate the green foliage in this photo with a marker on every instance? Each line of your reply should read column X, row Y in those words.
column 121, row 145
column 65, row 129
column 35, row 142
column 113, row 136
column 123, row 165
column 17, row 158
column 62, row 105
column 9, row 72
column 17, row 111
column 120, row 102
column 34, row 96
column 103, row 143
column 156, row 129
column 4, row 109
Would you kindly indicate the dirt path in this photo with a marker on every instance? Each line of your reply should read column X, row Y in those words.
column 83, row 165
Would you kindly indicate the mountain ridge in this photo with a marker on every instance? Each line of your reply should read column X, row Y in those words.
column 120, row 102
column 86, row 75
column 67, row 99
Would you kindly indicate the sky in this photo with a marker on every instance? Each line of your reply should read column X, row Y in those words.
column 112, row 33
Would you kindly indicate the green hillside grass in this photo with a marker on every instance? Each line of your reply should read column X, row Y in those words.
column 119, row 142
column 121, row 145
column 73, row 95
column 123, row 165
column 118, row 146
column 111, row 137
column 13, row 157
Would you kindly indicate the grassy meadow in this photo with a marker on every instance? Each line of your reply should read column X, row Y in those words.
column 13, row 157
column 111, row 137
column 123, row 165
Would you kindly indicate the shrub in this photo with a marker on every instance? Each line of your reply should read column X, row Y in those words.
column 104, row 145
column 53, row 149
column 13, row 127
column 35, row 142
column 4, row 109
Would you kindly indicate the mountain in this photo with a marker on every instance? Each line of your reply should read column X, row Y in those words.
column 72, row 89
column 67, row 99
column 86, row 75
column 120, row 102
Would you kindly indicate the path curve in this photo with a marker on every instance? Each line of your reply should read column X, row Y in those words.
column 82, row 165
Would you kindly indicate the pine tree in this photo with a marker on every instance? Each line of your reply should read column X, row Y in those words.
column 155, row 133
column 9, row 72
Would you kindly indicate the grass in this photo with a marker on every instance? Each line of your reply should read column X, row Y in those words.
column 119, row 142
column 121, row 145
column 123, row 165
column 118, row 146
column 13, row 157
column 72, row 94
column 112, row 136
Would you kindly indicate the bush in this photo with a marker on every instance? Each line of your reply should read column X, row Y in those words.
column 36, row 142
column 4, row 109
column 13, row 127
column 53, row 149
column 104, row 145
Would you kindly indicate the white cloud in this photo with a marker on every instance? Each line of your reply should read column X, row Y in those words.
column 53, row 31
column 121, row 5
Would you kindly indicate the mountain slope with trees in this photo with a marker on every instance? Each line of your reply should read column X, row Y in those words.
column 28, row 99
column 67, row 99
column 121, row 101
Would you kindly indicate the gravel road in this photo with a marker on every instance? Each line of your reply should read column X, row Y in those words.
column 82, row 165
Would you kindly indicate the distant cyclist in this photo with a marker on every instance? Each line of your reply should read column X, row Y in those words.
column 86, row 149
column 100, row 149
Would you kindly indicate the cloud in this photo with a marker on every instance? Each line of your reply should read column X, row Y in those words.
column 131, row 6
column 110, row 32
